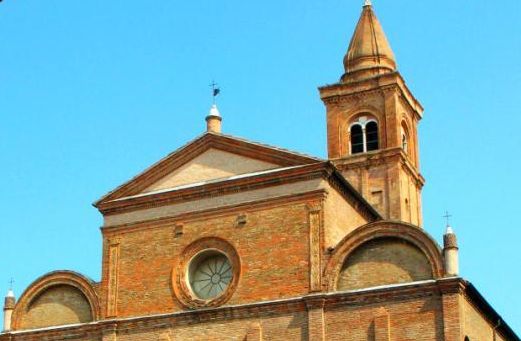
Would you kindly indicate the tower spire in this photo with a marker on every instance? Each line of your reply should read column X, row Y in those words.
column 369, row 51
column 372, row 121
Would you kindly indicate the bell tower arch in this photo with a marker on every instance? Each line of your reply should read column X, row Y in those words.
column 372, row 121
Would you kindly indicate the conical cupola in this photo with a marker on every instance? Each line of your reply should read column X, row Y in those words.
column 369, row 52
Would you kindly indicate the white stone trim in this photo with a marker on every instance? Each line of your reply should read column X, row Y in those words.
column 362, row 121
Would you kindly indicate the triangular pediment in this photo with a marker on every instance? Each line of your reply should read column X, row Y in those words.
column 212, row 164
column 208, row 158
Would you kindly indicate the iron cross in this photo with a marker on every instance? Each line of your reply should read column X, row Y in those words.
column 447, row 216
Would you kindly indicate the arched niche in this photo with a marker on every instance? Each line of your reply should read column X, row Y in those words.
column 58, row 298
column 57, row 305
column 382, row 253
column 383, row 261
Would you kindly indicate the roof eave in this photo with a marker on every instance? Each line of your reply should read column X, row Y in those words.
column 482, row 304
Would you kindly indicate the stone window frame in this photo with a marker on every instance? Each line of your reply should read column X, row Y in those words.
column 362, row 121
column 180, row 274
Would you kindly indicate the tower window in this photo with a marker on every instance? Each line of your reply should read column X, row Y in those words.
column 364, row 136
column 357, row 139
column 405, row 139
column 371, row 131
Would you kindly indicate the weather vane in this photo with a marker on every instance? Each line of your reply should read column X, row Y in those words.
column 12, row 280
column 215, row 90
column 447, row 216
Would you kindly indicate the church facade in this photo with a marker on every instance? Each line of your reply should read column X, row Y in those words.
column 228, row 239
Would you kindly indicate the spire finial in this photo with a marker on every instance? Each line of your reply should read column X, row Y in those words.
column 213, row 120
column 367, row 3
column 447, row 217
column 215, row 90
column 10, row 292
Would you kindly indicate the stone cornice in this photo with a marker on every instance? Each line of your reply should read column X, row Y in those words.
column 363, row 297
column 213, row 212
column 324, row 170
column 386, row 82
column 380, row 157
column 213, row 189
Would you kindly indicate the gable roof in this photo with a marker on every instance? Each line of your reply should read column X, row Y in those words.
column 242, row 147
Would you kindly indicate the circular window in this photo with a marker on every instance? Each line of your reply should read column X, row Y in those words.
column 210, row 273
column 206, row 274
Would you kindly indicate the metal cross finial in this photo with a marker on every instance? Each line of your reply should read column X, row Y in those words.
column 215, row 90
column 447, row 216
column 11, row 281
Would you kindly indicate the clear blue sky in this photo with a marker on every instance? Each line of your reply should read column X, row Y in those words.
column 92, row 92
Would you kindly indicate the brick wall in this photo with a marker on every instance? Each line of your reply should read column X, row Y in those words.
column 57, row 305
column 381, row 262
column 476, row 327
column 408, row 313
column 409, row 320
column 272, row 247
column 339, row 218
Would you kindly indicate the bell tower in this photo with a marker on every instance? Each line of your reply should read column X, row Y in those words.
column 372, row 120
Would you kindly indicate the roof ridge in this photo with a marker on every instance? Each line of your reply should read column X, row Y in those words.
column 243, row 139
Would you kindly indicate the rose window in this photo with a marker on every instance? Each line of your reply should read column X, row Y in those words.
column 210, row 273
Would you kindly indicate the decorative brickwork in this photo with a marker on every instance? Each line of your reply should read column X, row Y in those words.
column 315, row 247
column 382, row 230
column 289, row 247
column 57, row 298
column 180, row 280
column 112, row 291
column 383, row 261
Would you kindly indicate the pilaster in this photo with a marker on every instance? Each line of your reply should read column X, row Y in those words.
column 254, row 333
column 109, row 333
column 382, row 325
column 452, row 308
column 316, row 321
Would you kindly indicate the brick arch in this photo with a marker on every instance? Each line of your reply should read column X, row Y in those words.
column 73, row 281
column 366, row 110
column 408, row 233
column 408, row 126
